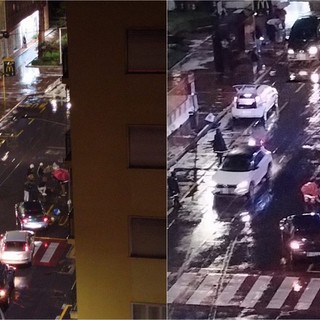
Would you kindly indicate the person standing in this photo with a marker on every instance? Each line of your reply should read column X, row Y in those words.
column 42, row 186
column 30, row 170
column 255, row 59
column 219, row 146
column 173, row 189
column 40, row 171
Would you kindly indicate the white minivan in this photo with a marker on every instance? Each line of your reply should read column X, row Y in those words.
column 254, row 101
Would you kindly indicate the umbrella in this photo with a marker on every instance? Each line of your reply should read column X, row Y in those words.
column 61, row 174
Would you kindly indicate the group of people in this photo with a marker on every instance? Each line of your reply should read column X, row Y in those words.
column 36, row 181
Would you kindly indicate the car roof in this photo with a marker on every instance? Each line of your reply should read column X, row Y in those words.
column 244, row 150
column 254, row 89
column 16, row 235
column 300, row 219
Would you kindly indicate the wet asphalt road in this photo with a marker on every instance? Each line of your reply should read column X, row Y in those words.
column 205, row 238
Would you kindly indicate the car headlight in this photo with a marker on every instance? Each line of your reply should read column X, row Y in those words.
column 314, row 78
column 290, row 51
column 242, row 188
column 294, row 245
column 313, row 50
column 3, row 293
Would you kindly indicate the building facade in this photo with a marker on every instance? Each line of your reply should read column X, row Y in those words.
column 117, row 81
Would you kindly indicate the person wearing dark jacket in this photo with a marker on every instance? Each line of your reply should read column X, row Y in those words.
column 219, row 145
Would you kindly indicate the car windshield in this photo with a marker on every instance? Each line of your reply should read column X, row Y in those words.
column 237, row 162
column 14, row 246
column 32, row 208
column 304, row 29
column 307, row 224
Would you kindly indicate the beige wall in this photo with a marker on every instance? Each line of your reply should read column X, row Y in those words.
column 105, row 192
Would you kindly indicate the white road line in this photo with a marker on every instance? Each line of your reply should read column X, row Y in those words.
column 282, row 293
column 301, row 86
column 229, row 291
column 49, row 252
column 180, row 286
column 204, row 289
column 256, row 292
column 37, row 247
column 283, row 106
column 308, row 295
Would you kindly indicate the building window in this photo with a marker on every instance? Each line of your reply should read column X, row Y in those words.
column 146, row 51
column 147, row 146
column 149, row 311
column 147, row 237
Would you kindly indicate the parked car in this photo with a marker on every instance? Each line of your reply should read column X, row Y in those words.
column 7, row 275
column 31, row 215
column 17, row 247
column 242, row 170
column 254, row 101
column 300, row 235
column 304, row 48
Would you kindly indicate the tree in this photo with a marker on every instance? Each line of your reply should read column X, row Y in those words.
column 41, row 36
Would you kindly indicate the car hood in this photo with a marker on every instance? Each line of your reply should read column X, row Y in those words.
column 232, row 178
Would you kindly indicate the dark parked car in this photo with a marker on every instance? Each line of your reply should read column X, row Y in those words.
column 7, row 274
column 31, row 215
column 301, row 235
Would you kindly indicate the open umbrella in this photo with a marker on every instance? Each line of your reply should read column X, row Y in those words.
column 61, row 174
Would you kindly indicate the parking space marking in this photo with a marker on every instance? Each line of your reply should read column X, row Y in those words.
column 49, row 252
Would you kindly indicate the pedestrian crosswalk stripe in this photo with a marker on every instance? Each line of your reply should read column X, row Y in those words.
column 308, row 295
column 282, row 293
column 256, row 292
column 49, row 252
column 180, row 286
column 205, row 288
column 245, row 290
column 230, row 290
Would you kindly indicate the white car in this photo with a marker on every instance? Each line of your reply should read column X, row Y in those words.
column 254, row 101
column 17, row 247
column 242, row 170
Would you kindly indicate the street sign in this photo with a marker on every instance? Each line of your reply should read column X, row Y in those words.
column 9, row 67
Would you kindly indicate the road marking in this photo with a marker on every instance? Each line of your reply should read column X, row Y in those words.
column 301, row 86
column 204, row 289
column 308, row 295
column 30, row 121
column 19, row 133
column 282, row 293
column 180, row 286
column 256, row 292
column 49, row 252
column 229, row 291
column 283, row 106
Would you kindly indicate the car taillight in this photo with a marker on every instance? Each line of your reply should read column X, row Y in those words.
column 26, row 247
column 45, row 219
column 25, row 220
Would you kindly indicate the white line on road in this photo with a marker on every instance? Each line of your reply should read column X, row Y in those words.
column 205, row 288
column 180, row 286
column 49, row 252
column 308, row 295
column 230, row 290
column 301, row 86
column 282, row 293
column 256, row 292
column 283, row 106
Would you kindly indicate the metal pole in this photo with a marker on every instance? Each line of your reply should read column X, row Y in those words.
column 60, row 46
column 4, row 93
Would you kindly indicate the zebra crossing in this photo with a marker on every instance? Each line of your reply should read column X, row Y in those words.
column 246, row 291
column 49, row 251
